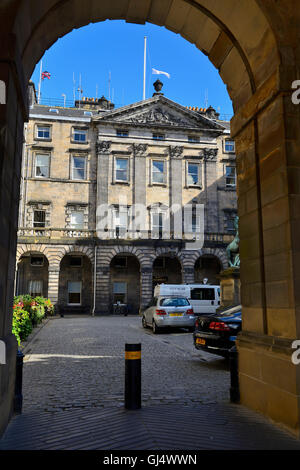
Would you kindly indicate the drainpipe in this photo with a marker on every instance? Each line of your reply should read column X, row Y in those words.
column 95, row 270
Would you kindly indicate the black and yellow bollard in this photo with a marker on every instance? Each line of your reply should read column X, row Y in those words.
column 234, row 375
column 18, row 398
column 133, row 357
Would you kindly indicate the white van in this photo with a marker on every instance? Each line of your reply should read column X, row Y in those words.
column 204, row 298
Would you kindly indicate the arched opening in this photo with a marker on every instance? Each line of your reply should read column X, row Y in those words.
column 253, row 46
column 125, row 284
column 32, row 275
column 75, row 291
column 167, row 270
column 207, row 267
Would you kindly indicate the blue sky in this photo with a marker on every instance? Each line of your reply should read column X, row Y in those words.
column 118, row 47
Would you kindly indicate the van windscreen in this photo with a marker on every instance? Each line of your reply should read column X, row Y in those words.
column 202, row 294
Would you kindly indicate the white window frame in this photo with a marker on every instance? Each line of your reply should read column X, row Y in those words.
column 122, row 133
column 42, row 126
column 164, row 173
column 33, row 222
column 76, row 228
column 45, row 154
column 79, row 131
column 165, row 227
column 33, row 281
column 229, row 215
column 193, row 139
column 230, row 185
column 199, row 166
column 73, row 167
column 232, row 142
column 71, row 303
column 122, row 228
column 158, row 136
column 123, row 293
column 115, row 180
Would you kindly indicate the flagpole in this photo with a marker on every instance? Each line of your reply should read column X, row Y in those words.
column 144, row 81
column 74, row 88
column 39, row 92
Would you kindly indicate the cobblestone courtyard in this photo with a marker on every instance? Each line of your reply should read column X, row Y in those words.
column 78, row 362
column 74, row 386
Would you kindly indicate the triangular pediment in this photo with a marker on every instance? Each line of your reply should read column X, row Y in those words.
column 160, row 111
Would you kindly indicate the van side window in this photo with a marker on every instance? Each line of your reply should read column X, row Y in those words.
column 202, row 294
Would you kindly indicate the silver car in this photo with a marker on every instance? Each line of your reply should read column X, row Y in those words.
column 169, row 311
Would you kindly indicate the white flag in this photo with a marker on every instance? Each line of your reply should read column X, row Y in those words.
column 158, row 72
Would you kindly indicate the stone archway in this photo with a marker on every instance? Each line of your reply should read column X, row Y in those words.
column 255, row 46
column 209, row 267
column 32, row 274
column 125, row 289
column 75, row 286
column 167, row 270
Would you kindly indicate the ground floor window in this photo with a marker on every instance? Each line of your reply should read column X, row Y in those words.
column 74, row 293
column 35, row 288
column 120, row 292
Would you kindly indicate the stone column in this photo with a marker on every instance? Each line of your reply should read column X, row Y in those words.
column 268, row 169
column 13, row 112
column 139, row 182
column 175, row 183
column 102, row 290
column 103, row 151
column 188, row 275
column 146, row 286
column 211, row 193
column 53, row 284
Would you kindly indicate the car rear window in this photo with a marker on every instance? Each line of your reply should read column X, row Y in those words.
column 174, row 302
column 202, row 294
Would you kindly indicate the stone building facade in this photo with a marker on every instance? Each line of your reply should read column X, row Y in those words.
column 154, row 156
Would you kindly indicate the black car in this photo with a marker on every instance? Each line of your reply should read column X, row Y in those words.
column 217, row 333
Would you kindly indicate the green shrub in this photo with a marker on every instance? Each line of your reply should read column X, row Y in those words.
column 27, row 313
column 22, row 324
column 46, row 303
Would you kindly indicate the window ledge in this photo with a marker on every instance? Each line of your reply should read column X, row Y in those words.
column 192, row 186
column 42, row 139
column 80, row 143
column 227, row 188
column 126, row 183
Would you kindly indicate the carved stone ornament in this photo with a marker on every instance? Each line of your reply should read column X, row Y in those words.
column 209, row 154
column 176, row 151
column 139, row 149
column 103, row 146
column 158, row 116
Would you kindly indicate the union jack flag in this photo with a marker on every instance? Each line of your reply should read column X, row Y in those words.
column 46, row 75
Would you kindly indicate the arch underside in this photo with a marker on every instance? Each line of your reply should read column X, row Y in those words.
column 221, row 30
column 255, row 46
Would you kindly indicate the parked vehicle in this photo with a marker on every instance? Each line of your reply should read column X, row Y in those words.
column 204, row 298
column 169, row 312
column 217, row 333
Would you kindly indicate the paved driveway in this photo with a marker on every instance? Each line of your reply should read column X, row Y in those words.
column 73, row 394
column 78, row 362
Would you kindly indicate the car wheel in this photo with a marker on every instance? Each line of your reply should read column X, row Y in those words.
column 144, row 322
column 155, row 328
column 191, row 329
